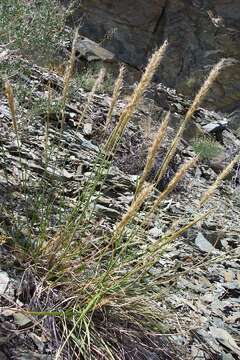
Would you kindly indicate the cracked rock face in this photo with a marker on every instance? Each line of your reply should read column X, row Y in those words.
column 200, row 32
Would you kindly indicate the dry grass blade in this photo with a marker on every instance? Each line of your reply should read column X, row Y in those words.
column 96, row 85
column 135, row 97
column 46, row 137
column 3, row 239
column 67, row 76
column 153, row 150
column 178, row 176
column 155, row 250
column 196, row 103
column 116, row 93
column 219, row 179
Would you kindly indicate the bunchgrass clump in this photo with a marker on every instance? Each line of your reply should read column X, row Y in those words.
column 94, row 275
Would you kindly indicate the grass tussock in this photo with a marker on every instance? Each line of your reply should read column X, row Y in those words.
column 96, row 279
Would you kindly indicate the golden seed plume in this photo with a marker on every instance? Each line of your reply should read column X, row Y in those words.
column 214, row 73
column 153, row 150
column 90, row 97
column 219, row 179
column 11, row 104
column 132, row 210
column 135, row 97
column 68, row 74
column 175, row 180
column 116, row 93
column 196, row 102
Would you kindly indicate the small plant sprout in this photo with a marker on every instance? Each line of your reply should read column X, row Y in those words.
column 207, row 148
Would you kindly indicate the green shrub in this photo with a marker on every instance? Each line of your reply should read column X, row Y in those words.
column 33, row 27
column 87, row 78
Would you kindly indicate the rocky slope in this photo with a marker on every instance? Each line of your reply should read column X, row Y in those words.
column 199, row 33
column 198, row 278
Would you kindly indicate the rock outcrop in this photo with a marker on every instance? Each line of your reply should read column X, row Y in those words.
column 200, row 32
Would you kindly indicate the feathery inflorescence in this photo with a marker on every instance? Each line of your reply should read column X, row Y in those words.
column 67, row 75
column 219, row 179
column 135, row 97
column 196, row 103
column 175, row 180
column 153, row 150
column 11, row 104
column 90, row 97
column 132, row 211
column 116, row 93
